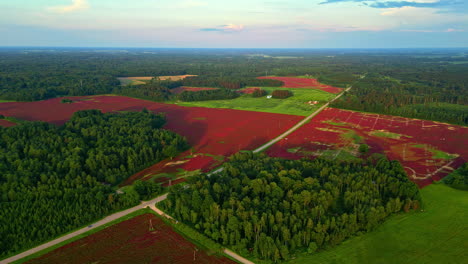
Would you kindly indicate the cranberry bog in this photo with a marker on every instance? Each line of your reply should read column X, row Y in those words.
column 6, row 123
column 214, row 134
column 427, row 150
column 142, row 239
column 249, row 90
column 295, row 82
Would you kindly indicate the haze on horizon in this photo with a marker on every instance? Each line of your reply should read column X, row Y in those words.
column 235, row 24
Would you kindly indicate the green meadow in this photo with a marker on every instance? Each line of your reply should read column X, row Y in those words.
column 294, row 105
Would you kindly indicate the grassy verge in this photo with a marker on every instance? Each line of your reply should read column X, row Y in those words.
column 438, row 234
column 294, row 105
column 95, row 230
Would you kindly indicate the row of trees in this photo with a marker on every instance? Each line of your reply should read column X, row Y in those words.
column 271, row 208
column 229, row 82
column 55, row 179
column 205, row 95
column 281, row 94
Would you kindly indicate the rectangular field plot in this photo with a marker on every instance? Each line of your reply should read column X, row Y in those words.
column 427, row 150
column 308, row 83
column 142, row 239
column 298, row 104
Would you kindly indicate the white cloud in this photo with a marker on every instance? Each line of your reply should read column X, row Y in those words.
column 398, row 11
column 233, row 27
column 74, row 6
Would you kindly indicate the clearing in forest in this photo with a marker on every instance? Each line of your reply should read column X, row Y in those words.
column 301, row 103
column 427, row 150
column 144, row 79
column 299, row 82
column 142, row 239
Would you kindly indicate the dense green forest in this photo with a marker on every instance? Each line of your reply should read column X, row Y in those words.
column 459, row 178
column 271, row 208
column 427, row 95
column 427, row 84
column 55, row 179
column 154, row 90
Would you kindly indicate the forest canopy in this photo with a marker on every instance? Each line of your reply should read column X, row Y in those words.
column 271, row 208
column 54, row 179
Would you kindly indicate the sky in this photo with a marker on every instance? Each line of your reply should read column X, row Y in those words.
column 235, row 24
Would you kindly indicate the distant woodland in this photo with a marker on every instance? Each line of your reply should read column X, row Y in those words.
column 420, row 84
column 57, row 178
column 271, row 208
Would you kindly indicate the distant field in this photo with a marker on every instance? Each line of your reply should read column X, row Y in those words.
column 428, row 150
column 439, row 234
column 143, row 79
column 304, row 82
column 142, row 239
column 295, row 105
column 181, row 89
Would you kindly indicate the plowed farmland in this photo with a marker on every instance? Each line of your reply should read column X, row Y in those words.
column 142, row 239
column 294, row 82
column 428, row 150
column 213, row 133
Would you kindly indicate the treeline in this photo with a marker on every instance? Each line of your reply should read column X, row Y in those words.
column 206, row 95
column 271, row 208
column 55, row 179
column 154, row 90
column 281, row 94
column 229, row 82
column 382, row 94
column 459, row 178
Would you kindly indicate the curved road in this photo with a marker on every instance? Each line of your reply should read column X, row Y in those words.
column 152, row 202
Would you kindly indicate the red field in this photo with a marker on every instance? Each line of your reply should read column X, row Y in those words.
column 179, row 90
column 213, row 133
column 249, row 90
column 6, row 123
column 428, row 150
column 293, row 82
column 131, row 241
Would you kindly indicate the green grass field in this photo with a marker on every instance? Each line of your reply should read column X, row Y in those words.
column 439, row 234
column 294, row 105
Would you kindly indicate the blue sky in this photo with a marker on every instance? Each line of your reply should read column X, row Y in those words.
column 235, row 24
